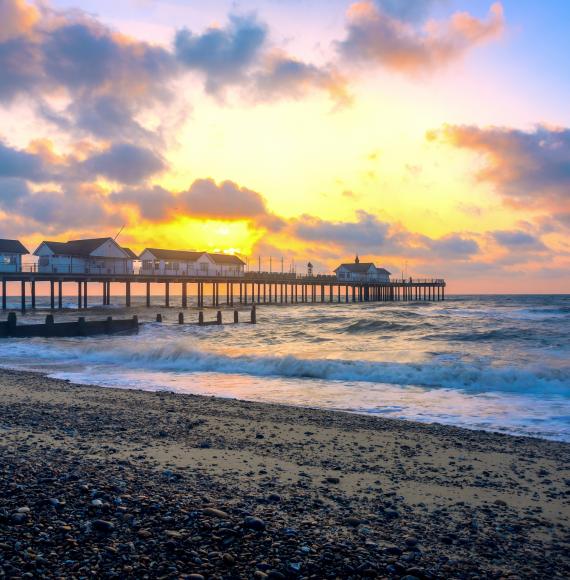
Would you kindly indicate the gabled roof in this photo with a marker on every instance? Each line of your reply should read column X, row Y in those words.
column 12, row 247
column 360, row 268
column 182, row 255
column 78, row 248
column 130, row 253
column 227, row 259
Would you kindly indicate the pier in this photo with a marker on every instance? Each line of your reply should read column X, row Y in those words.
column 215, row 291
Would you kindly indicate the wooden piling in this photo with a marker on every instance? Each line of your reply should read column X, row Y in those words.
column 253, row 315
column 219, row 317
column 33, row 292
column 181, row 318
column 23, row 297
column 4, row 294
column 236, row 317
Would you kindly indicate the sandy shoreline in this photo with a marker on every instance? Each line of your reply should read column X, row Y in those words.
column 338, row 495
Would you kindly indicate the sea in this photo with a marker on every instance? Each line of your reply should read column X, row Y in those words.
column 497, row 363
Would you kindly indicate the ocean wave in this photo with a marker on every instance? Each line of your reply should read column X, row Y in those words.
column 366, row 325
column 181, row 357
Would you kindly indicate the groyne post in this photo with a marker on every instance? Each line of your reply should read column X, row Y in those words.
column 159, row 317
column 219, row 317
column 181, row 318
column 201, row 318
column 253, row 315
column 12, row 320
column 236, row 317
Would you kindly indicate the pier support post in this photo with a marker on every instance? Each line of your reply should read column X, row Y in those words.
column 60, row 294
column 443, row 292
column 85, row 294
column 241, row 293
column 148, row 294
column 167, row 294
column 184, row 295
column 3, row 294
column 33, row 291
column 23, row 297
column 128, row 294
column 79, row 296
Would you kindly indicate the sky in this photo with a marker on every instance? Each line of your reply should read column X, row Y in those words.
column 431, row 137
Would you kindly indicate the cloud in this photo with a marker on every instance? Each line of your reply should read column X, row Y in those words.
column 453, row 246
column 518, row 240
column 385, row 37
column 227, row 200
column 103, row 78
column 371, row 235
column 17, row 18
column 367, row 233
column 286, row 77
column 407, row 10
column 529, row 169
column 125, row 163
column 57, row 210
column 204, row 199
column 223, row 55
column 20, row 164
column 239, row 54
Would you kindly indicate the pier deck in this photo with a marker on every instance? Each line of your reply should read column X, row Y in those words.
column 253, row 288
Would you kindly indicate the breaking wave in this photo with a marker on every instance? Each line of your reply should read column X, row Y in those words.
column 180, row 357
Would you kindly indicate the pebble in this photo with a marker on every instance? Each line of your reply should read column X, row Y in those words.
column 254, row 523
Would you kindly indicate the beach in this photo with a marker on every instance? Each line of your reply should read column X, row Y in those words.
column 103, row 482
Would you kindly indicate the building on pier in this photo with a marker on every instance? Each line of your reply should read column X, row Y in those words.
column 92, row 256
column 157, row 261
column 362, row 272
column 11, row 252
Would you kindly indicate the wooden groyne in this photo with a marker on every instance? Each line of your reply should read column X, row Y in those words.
column 218, row 320
column 216, row 290
column 81, row 327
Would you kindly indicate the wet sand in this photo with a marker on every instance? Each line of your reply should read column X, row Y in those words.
column 100, row 482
